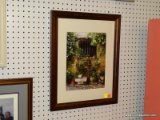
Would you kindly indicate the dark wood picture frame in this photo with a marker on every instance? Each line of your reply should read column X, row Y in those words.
column 55, row 15
column 18, row 86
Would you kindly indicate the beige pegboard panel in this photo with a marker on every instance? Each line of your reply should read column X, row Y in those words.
column 28, row 53
column 135, row 17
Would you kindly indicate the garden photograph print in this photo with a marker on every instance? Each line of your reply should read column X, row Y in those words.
column 84, row 62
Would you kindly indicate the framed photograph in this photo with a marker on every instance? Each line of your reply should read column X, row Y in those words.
column 16, row 99
column 84, row 59
column 3, row 33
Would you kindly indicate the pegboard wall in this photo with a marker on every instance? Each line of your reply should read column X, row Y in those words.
column 28, row 53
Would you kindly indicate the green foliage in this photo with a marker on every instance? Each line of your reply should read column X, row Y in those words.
column 71, row 44
column 79, row 52
column 86, row 67
column 93, row 68
column 97, row 38
column 70, row 75
column 82, row 65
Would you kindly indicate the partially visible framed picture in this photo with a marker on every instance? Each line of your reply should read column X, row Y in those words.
column 3, row 33
column 16, row 99
column 84, row 59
